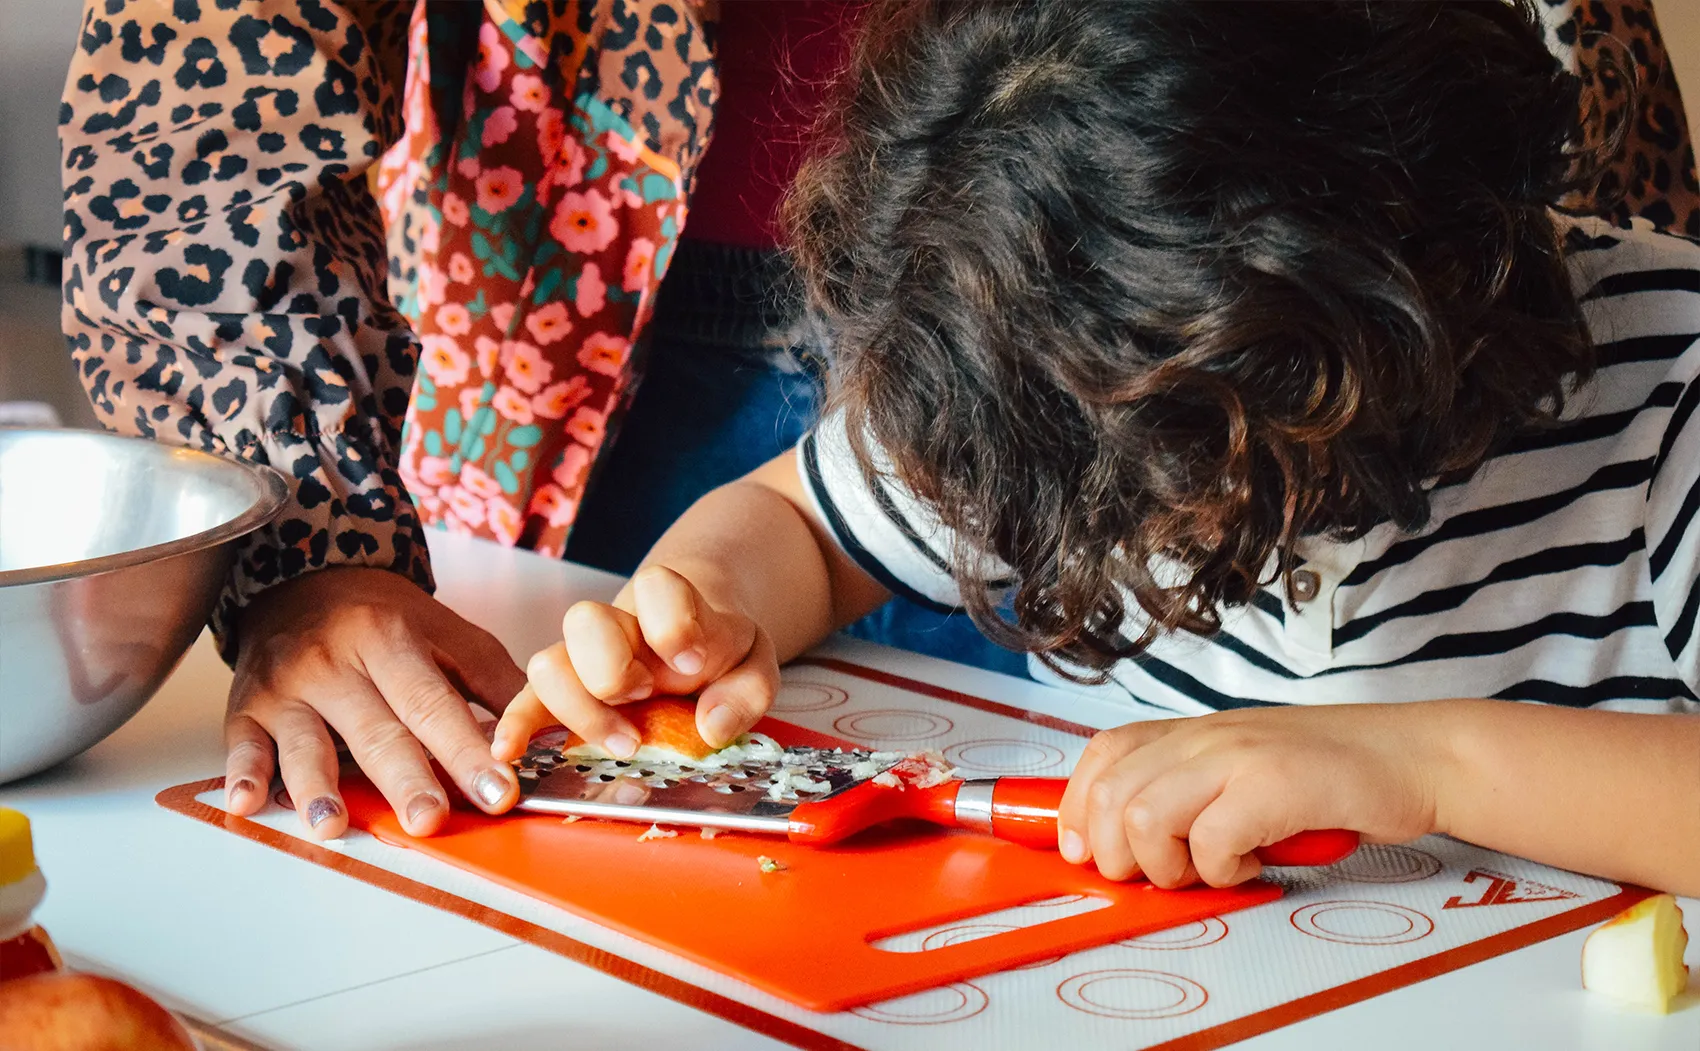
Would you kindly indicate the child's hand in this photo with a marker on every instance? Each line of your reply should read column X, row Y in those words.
column 658, row 637
column 1189, row 799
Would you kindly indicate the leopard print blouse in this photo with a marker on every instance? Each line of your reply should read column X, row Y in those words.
column 231, row 285
column 228, row 284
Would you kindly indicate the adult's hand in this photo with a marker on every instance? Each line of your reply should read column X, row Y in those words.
column 368, row 654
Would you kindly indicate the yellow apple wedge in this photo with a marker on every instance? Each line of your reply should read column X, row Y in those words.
column 1636, row 957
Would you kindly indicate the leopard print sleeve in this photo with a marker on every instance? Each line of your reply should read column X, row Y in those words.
column 1653, row 177
column 225, row 260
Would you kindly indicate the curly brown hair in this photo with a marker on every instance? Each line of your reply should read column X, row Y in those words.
column 1137, row 294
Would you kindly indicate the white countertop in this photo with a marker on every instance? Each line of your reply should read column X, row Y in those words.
column 293, row 955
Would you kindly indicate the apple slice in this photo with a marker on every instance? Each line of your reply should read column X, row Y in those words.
column 1636, row 957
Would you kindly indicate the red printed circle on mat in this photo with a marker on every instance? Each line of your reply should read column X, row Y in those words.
column 1362, row 923
column 1386, row 863
column 973, row 932
column 893, row 724
column 949, row 1003
column 1132, row 993
column 1004, row 755
column 802, row 696
column 1194, row 935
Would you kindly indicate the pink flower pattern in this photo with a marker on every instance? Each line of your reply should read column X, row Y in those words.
column 549, row 324
column 526, row 337
column 500, row 124
column 584, row 222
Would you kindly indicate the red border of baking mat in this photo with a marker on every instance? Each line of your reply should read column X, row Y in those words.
column 181, row 799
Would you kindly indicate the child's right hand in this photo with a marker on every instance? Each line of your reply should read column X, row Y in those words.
column 659, row 636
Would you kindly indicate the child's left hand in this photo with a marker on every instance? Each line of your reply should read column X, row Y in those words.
column 1187, row 799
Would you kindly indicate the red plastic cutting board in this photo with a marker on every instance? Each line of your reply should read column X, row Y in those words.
column 803, row 934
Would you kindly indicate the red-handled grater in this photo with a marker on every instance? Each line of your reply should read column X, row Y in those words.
column 819, row 796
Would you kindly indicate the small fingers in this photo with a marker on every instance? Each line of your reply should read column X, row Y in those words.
column 736, row 701
column 603, row 644
column 1159, row 822
column 1228, row 832
column 1106, row 749
column 1105, row 827
column 557, row 685
column 249, row 762
column 523, row 717
column 668, row 610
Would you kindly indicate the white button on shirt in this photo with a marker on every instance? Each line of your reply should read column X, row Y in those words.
column 1309, row 621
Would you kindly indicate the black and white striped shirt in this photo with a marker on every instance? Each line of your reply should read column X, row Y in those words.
column 1563, row 571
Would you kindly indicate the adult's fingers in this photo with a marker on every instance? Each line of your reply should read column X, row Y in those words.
column 438, row 716
column 557, row 685
column 307, row 760
column 476, row 662
column 249, row 763
column 391, row 757
column 1106, row 749
column 738, row 699
column 603, row 644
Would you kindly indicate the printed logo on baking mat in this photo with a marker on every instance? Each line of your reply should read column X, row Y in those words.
column 1493, row 888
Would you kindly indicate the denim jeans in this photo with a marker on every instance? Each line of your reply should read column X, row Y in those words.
column 709, row 411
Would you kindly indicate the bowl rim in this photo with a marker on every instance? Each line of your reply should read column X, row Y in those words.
column 272, row 492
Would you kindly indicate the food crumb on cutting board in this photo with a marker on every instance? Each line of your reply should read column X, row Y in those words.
column 767, row 864
column 657, row 832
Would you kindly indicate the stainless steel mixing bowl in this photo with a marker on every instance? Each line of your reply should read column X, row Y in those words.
column 112, row 553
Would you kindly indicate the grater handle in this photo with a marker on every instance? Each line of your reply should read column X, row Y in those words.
column 1024, row 810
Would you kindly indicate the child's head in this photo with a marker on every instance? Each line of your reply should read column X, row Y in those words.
column 1115, row 280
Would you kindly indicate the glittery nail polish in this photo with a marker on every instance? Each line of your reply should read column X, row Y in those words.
column 321, row 810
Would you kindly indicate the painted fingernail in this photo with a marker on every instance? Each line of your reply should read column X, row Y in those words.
column 490, row 787
column 420, row 806
column 620, row 745
column 322, row 810
column 690, row 662
column 720, row 725
column 1073, row 847
column 241, row 787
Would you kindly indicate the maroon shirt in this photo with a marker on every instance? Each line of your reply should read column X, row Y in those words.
column 776, row 58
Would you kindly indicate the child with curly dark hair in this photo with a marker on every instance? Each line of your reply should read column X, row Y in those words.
column 1240, row 349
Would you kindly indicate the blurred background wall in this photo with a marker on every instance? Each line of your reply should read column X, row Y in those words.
column 36, row 38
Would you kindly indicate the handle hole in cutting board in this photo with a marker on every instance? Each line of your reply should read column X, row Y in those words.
column 990, row 924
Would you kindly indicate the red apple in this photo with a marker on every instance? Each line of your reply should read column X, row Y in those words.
column 84, row 1012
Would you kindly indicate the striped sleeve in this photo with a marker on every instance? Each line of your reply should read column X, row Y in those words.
column 893, row 536
column 1673, row 509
